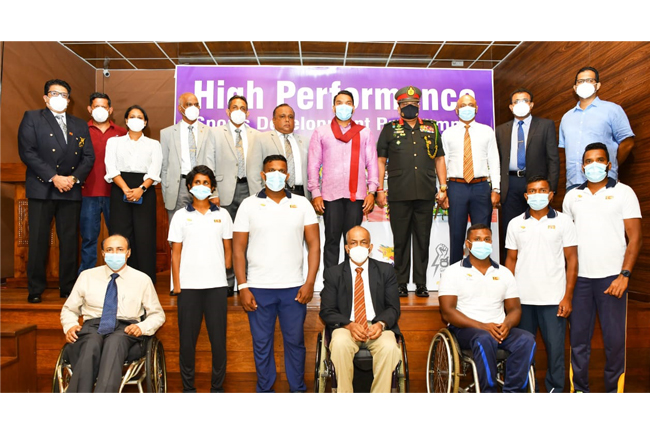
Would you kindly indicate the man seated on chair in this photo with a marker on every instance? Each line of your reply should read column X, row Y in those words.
column 112, row 299
column 473, row 294
column 360, row 303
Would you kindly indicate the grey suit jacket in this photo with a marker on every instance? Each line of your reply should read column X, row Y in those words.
column 268, row 143
column 226, row 161
column 170, row 140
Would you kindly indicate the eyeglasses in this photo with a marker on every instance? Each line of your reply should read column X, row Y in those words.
column 519, row 101
column 586, row 80
column 54, row 94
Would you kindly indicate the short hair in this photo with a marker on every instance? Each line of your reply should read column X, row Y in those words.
column 56, row 82
column 233, row 97
column 538, row 178
column 136, row 107
column 356, row 227
column 475, row 227
column 128, row 242
column 280, row 106
column 595, row 146
column 343, row 92
column 98, row 95
column 588, row 68
column 201, row 169
column 272, row 158
column 521, row 90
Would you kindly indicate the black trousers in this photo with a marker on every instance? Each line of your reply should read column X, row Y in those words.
column 241, row 193
column 101, row 357
column 193, row 305
column 137, row 222
column 514, row 205
column 408, row 219
column 39, row 220
column 339, row 217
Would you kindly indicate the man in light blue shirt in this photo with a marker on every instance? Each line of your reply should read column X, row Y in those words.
column 593, row 120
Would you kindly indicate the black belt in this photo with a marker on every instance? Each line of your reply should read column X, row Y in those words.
column 241, row 180
column 298, row 189
column 518, row 173
column 183, row 176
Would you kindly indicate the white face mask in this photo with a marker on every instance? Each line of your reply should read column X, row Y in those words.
column 238, row 117
column 192, row 113
column 585, row 90
column 359, row 254
column 100, row 114
column 521, row 109
column 135, row 124
column 58, row 103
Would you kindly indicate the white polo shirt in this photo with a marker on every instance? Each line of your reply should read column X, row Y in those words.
column 276, row 235
column 202, row 258
column 480, row 297
column 540, row 270
column 599, row 220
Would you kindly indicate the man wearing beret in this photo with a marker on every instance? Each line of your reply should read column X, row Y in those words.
column 413, row 147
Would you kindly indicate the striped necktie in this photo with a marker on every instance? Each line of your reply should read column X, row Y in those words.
column 468, row 163
column 360, row 301
column 241, row 162
column 192, row 145
column 521, row 147
column 64, row 127
column 291, row 165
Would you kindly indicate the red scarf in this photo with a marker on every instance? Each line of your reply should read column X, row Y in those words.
column 352, row 134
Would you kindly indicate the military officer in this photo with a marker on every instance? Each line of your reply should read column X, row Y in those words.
column 413, row 147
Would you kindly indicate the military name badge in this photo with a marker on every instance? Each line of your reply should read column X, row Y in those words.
column 82, row 141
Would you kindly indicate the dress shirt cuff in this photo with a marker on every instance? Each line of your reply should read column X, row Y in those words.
column 110, row 175
column 67, row 325
column 156, row 180
column 315, row 193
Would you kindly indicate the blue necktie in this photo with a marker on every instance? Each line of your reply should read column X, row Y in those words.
column 521, row 147
column 109, row 312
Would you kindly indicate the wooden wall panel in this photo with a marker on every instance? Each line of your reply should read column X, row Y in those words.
column 548, row 70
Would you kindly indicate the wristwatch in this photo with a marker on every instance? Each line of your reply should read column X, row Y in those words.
column 626, row 273
column 143, row 188
column 443, row 188
column 497, row 190
column 74, row 179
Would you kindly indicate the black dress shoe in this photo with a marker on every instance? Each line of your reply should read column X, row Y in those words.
column 231, row 291
column 34, row 299
column 421, row 291
column 403, row 291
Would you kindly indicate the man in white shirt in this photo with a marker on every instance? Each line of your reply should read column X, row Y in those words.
column 274, row 225
column 473, row 295
column 281, row 140
column 472, row 159
column 184, row 146
column 112, row 299
column 605, row 212
column 538, row 241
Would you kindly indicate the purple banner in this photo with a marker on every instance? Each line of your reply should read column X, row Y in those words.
column 310, row 91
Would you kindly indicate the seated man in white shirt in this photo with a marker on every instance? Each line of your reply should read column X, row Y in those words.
column 112, row 299
column 473, row 294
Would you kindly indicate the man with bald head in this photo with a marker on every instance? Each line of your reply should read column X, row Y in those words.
column 474, row 173
column 185, row 145
column 360, row 304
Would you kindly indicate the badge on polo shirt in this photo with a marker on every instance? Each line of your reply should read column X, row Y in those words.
column 293, row 206
column 217, row 221
column 609, row 197
column 551, row 227
column 495, row 278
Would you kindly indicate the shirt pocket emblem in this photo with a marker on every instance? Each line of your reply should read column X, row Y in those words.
column 217, row 221
column 293, row 206
column 551, row 227
column 495, row 278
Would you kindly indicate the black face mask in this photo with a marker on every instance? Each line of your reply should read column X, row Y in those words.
column 410, row 112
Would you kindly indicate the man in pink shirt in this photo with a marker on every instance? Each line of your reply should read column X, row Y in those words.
column 344, row 192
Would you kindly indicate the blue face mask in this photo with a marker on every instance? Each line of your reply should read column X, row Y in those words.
column 201, row 192
column 115, row 261
column 343, row 112
column 595, row 172
column 537, row 201
column 275, row 180
column 466, row 113
column 481, row 250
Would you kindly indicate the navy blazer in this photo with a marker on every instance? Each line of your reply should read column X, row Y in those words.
column 42, row 148
column 336, row 296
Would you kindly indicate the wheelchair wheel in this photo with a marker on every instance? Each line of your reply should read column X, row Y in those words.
column 443, row 362
column 62, row 373
column 320, row 370
column 156, row 368
column 404, row 385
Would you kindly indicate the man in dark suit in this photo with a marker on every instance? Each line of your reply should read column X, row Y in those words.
column 527, row 148
column 363, row 313
column 58, row 152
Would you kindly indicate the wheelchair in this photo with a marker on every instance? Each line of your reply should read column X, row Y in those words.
column 325, row 372
column 144, row 363
column 452, row 370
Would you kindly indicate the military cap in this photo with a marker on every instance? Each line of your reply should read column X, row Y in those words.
column 408, row 94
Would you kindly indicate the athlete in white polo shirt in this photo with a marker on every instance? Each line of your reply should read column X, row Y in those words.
column 538, row 242
column 605, row 212
column 201, row 240
column 273, row 225
column 473, row 295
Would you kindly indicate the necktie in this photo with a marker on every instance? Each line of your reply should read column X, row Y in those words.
column 64, row 128
column 468, row 163
column 360, row 301
column 521, row 147
column 192, row 145
column 109, row 312
column 241, row 164
column 290, row 162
